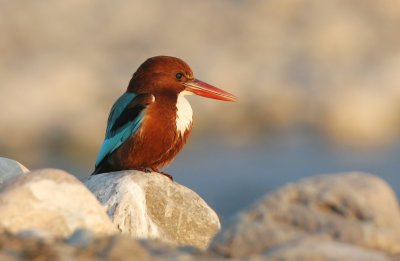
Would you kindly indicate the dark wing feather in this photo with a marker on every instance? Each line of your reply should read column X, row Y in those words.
column 125, row 119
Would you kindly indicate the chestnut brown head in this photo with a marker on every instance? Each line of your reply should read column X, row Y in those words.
column 169, row 76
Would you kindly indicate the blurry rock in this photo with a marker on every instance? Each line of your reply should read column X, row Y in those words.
column 9, row 169
column 117, row 248
column 361, row 118
column 17, row 247
column 80, row 237
column 53, row 201
column 166, row 251
column 150, row 206
column 355, row 208
column 317, row 248
column 36, row 233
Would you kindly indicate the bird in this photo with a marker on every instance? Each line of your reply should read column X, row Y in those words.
column 150, row 123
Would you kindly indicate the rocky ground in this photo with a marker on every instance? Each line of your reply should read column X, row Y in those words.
column 48, row 214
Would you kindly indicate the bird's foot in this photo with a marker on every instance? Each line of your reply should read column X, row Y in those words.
column 162, row 173
column 145, row 170
column 167, row 175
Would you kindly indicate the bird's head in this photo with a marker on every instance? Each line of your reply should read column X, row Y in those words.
column 169, row 76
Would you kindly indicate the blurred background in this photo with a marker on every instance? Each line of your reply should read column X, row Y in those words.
column 318, row 82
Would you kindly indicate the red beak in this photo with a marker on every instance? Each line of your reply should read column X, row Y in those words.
column 206, row 90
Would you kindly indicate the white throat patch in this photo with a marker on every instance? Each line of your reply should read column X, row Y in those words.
column 184, row 113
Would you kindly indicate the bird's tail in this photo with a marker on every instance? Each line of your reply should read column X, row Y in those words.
column 97, row 170
column 103, row 167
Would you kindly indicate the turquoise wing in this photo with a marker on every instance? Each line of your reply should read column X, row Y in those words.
column 124, row 120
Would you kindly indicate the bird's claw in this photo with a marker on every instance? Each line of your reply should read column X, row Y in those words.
column 167, row 175
column 162, row 173
column 145, row 170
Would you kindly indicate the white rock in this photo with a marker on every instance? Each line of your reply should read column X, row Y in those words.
column 322, row 248
column 53, row 201
column 355, row 208
column 10, row 169
column 151, row 206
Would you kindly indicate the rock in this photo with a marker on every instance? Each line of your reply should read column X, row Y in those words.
column 355, row 208
column 164, row 252
column 150, row 206
column 116, row 247
column 360, row 117
column 52, row 201
column 10, row 169
column 36, row 233
column 119, row 248
column 317, row 248
column 80, row 237
column 110, row 248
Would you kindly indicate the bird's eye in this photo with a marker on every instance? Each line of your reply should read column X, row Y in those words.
column 179, row 76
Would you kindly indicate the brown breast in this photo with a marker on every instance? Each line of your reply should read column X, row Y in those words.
column 157, row 141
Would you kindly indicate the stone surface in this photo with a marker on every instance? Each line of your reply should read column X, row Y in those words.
column 323, row 248
column 10, row 169
column 115, row 248
column 162, row 251
column 82, row 246
column 80, row 237
column 52, row 201
column 151, row 206
column 123, row 248
column 354, row 208
column 350, row 216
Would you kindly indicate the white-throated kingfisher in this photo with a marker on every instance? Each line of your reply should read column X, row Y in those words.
column 149, row 124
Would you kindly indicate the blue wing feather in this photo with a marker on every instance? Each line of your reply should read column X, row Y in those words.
column 114, row 138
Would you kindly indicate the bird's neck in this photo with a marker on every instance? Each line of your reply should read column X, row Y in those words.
column 184, row 114
column 171, row 111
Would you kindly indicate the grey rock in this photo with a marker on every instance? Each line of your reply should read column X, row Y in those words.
column 355, row 208
column 80, row 237
column 36, row 233
column 323, row 248
column 118, row 248
column 165, row 252
column 10, row 169
column 151, row 206
column 53, row 201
